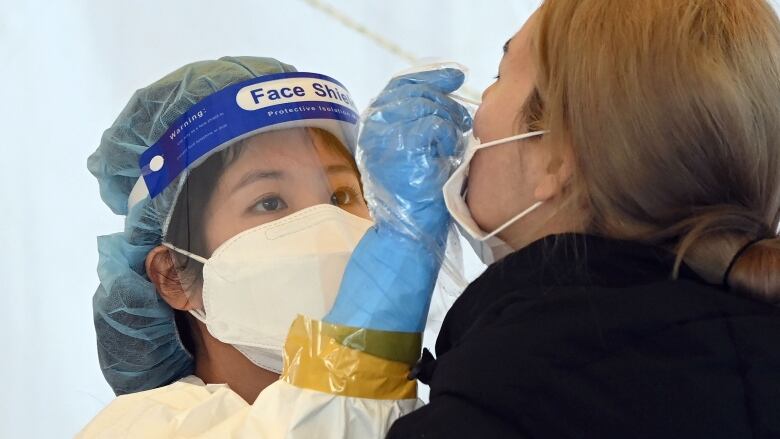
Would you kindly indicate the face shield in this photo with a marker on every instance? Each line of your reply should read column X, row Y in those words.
column 269, row 206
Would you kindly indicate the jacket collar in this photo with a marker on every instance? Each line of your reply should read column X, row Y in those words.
column 586, row 260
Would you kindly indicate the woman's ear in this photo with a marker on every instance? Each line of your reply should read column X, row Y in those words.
column 559, row 173
column 164, row 275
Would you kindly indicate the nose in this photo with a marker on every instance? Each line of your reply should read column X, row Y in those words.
column 487, row 91
column 475, row 124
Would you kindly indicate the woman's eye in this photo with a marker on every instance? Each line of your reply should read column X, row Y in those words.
column 270, row 204
column 343, row 197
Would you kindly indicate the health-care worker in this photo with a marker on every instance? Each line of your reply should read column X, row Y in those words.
column 243, row 208
column 628, row 162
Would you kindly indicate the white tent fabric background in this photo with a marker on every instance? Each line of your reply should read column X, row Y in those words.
column 69, row 68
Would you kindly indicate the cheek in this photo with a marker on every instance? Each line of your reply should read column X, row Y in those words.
column 498, row 186
column 224, row 222
column 218, row 229
column 498, row 116
column 494, row 120
column 359, row 209
column 486, row 178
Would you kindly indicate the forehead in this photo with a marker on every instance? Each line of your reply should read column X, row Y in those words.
column 277, row 147
column 292, row 151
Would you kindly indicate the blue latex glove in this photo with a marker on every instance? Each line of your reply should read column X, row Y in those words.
column 411, row 134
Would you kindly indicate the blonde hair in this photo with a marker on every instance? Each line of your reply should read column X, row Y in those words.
column 672, row 108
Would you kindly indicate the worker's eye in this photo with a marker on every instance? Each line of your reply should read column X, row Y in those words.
column 269, row 203
column 343, row 197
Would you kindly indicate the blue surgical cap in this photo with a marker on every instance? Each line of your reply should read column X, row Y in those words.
column 138, row 344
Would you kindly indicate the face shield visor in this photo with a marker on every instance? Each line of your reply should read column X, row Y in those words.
column 269, row 206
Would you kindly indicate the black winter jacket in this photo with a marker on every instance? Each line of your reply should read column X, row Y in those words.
column 544, row 346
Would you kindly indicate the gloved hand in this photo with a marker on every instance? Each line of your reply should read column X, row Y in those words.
column 411, row 137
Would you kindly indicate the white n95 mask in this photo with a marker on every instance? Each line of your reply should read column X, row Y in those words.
column 257, row 282
column 487, row 245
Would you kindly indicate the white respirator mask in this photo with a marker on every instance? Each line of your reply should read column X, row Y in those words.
column 487, row 245
column 257, row 282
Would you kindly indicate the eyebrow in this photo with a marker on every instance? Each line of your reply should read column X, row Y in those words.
column 506, row 45
column 254, row 176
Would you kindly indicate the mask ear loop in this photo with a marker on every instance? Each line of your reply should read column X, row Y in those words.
column 513, row 220
column 200, row 259
column 197, row 313
column 512, row 139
